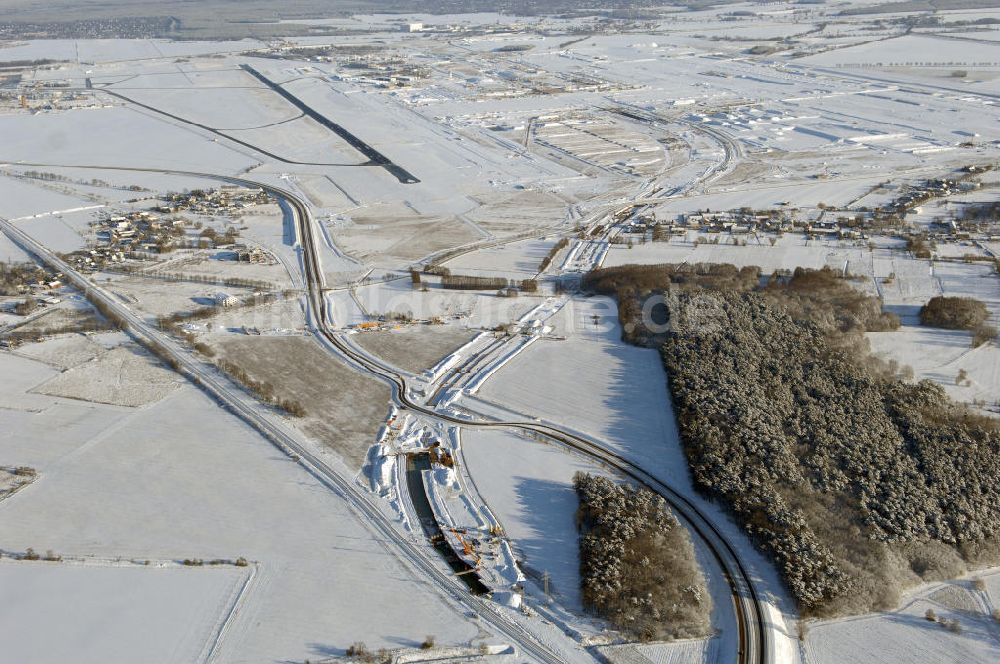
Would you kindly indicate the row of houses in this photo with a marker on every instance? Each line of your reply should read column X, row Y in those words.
column 122, row 234
column 744, row 221
column 39, row 287
column 925, row 191
column 145, row 233
column 223, row 201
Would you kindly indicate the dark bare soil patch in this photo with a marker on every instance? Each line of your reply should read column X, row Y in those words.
column 414, row 348
column 342, row 408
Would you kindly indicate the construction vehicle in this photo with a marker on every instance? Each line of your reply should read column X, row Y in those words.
column 467, row 547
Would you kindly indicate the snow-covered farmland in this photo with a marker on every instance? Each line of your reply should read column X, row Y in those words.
column 475, row 308
column 787, row 253
column 181, row 479
column 596, row 384
column 20, row 198
column 941, row 356
column 108, row 137
column 911, row 50
column 123, row 377
column 93, row 613
column 515, row 128
column 516, row 260
column 107, row 50
column 907, row 635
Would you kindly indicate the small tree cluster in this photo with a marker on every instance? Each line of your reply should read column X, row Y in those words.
column 262, row 390
column 954, row 313
column 26, row 306
column 470, row 282
column 231, row 282
column 919, row 247
column 172, row 321
column 637, row 564
column 16, row 276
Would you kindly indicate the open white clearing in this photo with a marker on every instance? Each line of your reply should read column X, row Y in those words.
column 183, row 478
column 60, row 612
column 596, row 384
column 904, row 636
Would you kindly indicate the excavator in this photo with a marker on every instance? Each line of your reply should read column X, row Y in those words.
column 467, row 547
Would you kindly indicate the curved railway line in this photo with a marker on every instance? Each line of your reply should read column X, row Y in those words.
column 755, row 642
column 753, row 634
column 237, row 401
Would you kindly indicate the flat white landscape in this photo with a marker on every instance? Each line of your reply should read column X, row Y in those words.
column 529, row 486
column 105, row 613
column 521, row 131
column 182, row 479
column 596, row 384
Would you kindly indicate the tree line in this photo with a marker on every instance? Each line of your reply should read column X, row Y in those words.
column 855, row 481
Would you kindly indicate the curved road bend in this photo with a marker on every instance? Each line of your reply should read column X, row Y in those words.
column 755, row 639
column 248, row 409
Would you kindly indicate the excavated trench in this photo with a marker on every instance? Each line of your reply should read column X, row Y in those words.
column 415, row 465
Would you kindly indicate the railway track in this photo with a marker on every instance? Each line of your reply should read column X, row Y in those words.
column 248, row 409
column 754, row 638
column 455, row 374
column 753, row 634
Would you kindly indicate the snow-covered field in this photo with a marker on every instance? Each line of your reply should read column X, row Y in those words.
column 107, row 50
column 528, row 484
column 678, row 652
column 596, row 384
column 10, row 252
column 181, row 479
column 754, row 107
column 910, row 50
column 19, row 198
column 123, row 377
column 64, row 352
column 788, row 252
column 107, row 137
column 98, row 613
column 475, row 308
column 940, row 355
column 907, row 635
column 517, row 260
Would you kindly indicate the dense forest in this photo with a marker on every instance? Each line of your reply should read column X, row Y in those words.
column 856, row 481
column 637, row 563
